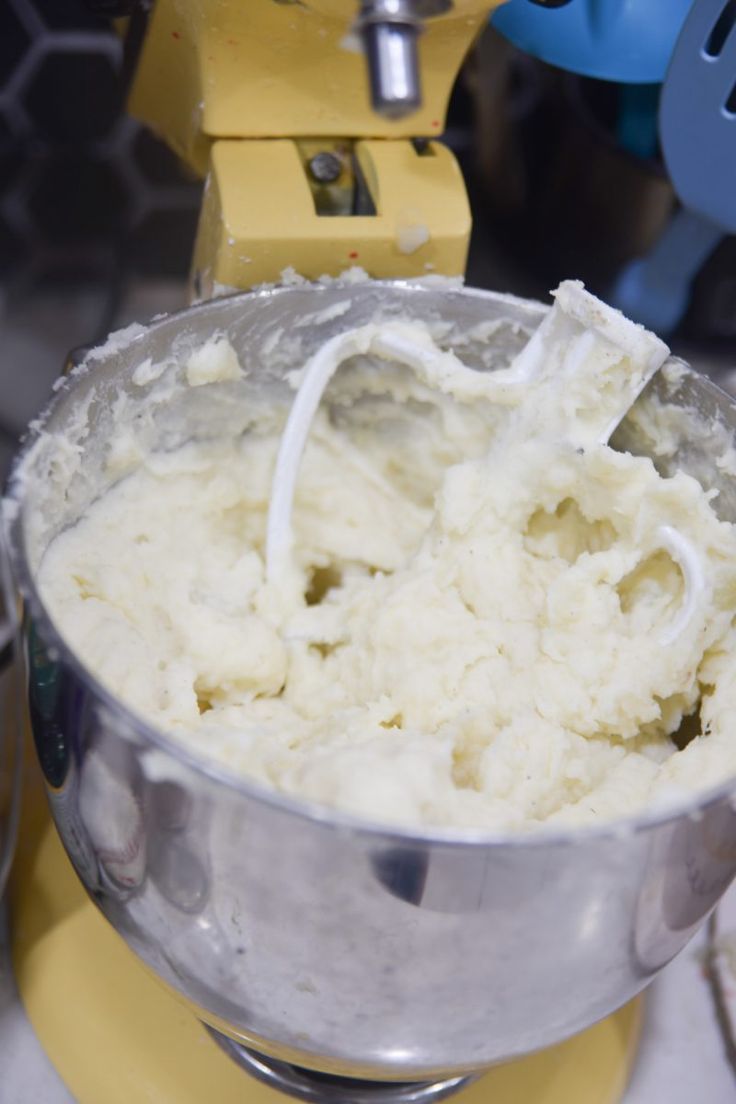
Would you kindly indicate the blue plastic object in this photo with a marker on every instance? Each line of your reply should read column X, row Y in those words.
column 697, row 113
column 697, row 126
column 655, row 290
column 617, row 40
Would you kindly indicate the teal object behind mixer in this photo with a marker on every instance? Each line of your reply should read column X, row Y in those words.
column 617, row 40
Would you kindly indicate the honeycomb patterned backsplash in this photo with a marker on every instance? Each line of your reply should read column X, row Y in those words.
column 84, row 190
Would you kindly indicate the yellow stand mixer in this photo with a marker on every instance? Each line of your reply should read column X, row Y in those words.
column 309, row 166
column 271, row 101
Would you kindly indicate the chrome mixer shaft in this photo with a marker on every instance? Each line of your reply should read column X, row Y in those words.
column 390, row 30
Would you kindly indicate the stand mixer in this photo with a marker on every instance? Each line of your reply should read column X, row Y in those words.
column 309, row 166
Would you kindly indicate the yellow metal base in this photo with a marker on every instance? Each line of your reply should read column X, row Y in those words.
column 235, row 88
column 258, row 216
column 116, row 1036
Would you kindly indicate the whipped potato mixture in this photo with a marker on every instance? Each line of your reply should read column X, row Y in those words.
column 476, row 614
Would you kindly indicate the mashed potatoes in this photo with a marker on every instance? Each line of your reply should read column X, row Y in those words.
column 484, row 616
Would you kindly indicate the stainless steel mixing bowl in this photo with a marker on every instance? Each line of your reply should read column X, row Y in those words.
column 11, row 731
column 314, row 937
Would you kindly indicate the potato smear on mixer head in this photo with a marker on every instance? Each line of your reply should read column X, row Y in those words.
column 426, row 594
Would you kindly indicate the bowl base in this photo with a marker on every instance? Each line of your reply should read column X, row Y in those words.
column 325, row 1088
column 115, row 1034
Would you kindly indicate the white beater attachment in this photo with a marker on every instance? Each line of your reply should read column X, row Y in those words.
column 685, row 556
column 579, row 336
column 393, row 341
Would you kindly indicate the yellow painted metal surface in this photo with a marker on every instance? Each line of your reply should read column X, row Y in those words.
column 228, row 69
column 167, row 91
column 222, row 81
column 115, row 1035
column 259, row 216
